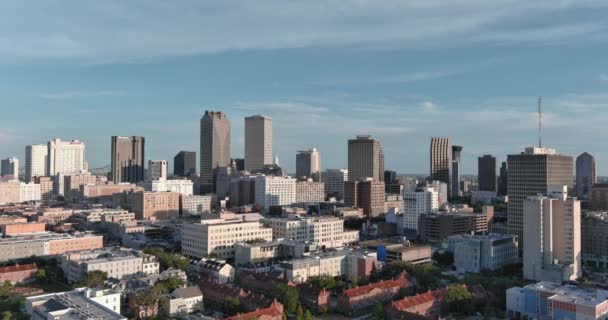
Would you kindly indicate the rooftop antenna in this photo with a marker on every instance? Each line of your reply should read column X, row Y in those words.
column 540, row 124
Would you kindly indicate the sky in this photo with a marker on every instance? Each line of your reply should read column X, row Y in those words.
column 325, row 71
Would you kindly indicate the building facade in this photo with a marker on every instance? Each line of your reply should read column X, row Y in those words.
column 184, row 163
column 365, row 159
column 36, row 158
column 585, row 174
column 195, row 205
column 128, row 159
column 214, row 147
column 477, row 253
column 65, row 157
column 258, row 142
column 157, row 169
column 184, row 187
column 308, row 164
column 154, row 205
column 334, row 181
column 326, row 232
column 274, row 191
column 594, row 239
column 416, row 203
column 486, row 173
column 9, row 168
column 441, row 161
column 309, row 191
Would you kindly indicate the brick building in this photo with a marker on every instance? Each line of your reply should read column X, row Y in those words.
column 18, row 273
column 361, row 300
column 9, row 230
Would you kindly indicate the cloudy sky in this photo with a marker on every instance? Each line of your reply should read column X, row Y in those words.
column 325, row 71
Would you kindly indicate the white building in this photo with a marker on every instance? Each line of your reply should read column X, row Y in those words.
column 258, row 142
column 36, row 158
column 442, row 191
column 82, row 303
column 218, row 236
column 219, row 271
column 325, row 232
column 183, row 301
column 157, row 169
column 310, row 192
column 418, row 202
column 333, row 264
column 65, row 157
column 29, row 192
column 196, row 204
column 552, row 236
column 274, row 191
column 483, row 252
column 308, row 164
column 9, row 167
column 184, row 187
column 334, row 181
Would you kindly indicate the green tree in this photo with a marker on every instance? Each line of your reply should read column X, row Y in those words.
column 7, row 315
column 94, row 279
column 378, row 312
column 167, row 259
column 170, row 284
column 232, row 306
column 41, row 276
column 445, row 259
column 288, row 296
column 459, row 299
column 5, row 289
column 307, row 315
column 299, row 312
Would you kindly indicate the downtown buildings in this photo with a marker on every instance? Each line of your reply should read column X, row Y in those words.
column 128, row 159
column 214, row 148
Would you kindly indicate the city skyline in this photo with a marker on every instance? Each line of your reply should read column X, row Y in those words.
column 393, row 75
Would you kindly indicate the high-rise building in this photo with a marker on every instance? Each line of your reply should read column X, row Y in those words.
column 367, row 194
column 442, row 191
column 308, row 164
column 157, row 169
column 390, row 177
column 128, row 159
column 503, row 180
column 9, row 167
column 530, row 174
column 334, row 181
column 35, row 161
column 365, row 159
column 486, row 173
column 441, row 161
column 258, row 142
column 184, row 163
column 418, row 202
column 239, row 164
column 65, row 157
column 215, row 147
column 585, row 174
column 552, row 236
column 455, row 189
column 274, row 191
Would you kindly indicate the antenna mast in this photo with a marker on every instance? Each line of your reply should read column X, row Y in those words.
column 540, row 123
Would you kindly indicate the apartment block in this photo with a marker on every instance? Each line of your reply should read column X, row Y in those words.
column 154, row 205
column 195, row 205
column 65, row 157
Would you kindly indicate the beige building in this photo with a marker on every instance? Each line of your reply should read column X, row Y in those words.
column 128, row 159
column 46, row 187
column 214, row 146
column 552, row 236
column 308, row 164
column 353, row 264
column 65, row 157
column 219, row 236
column 441, row 161
column 326, row 232
column 310, row 191
column 367, row 194
column 196, row 205
column 35, row 161
column 72, row 183
column 184, row 187
column 183, row 301
column 365, row 159
column 258, row 142
column 10, row 192
column 54, row 215
column 154, row 205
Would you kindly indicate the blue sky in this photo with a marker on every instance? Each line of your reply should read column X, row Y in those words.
column 325, row 71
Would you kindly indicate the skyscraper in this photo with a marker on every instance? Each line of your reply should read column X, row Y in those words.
column 157, row 169
column 441, row 161
column 128, row 159
column 334, row 181
column 390, row 176
column 9, row 167
column 455, row 189
column 258, row 142
column 215, row 147
column 486, row 173
column 35, row 161
column 503, row 179
column 65, row 157
column 365, row 159
column 184, row 163
column 585, row 174
column 308, row 164
column 530, row 174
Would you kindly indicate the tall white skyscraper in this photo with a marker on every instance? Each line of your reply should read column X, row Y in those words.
column 65, row 157
column 308, row 164
column 9, row 167
column 258, row 142
column 418, row 202
column 35, row 161
column 157, row 169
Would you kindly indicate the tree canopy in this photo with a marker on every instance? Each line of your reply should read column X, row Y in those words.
column 93, row 279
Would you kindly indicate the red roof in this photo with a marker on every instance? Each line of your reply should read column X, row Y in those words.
column 275, row 310
column 19, row 267
column 382, row 285
column 410, row 302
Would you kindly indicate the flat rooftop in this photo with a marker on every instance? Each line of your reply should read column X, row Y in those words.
column 572, row 294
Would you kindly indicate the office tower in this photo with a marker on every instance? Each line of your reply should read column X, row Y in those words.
column 390, row 177
column 365, row 159
column 184, row 163
column 35, row 161
column 215, row 147
column 239, row 164
column 65, row 157
column 157, row 169
column 9, row 167
column 585, row 174
column 308, row 164
column 486, row 173
column 274, row 192
column 530, row 174
column 258, row 142
column 367, row 194
column 552, row 236
column 441, row 161
column 455, row 189
column 503, row 179
column 128, row 159
column 334, row 181
column 418, row 202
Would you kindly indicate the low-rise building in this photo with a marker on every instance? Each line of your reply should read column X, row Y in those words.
column 475, row 253
column 47, row 244
column 274, row 312
column 354, row 264
column 17, row 274
column 439, row 226
column 185, row 187
column 17, row 229
column 103, row 192
column 361, row 300
column 196, row 205
column 154, row 205
column 83, row 303
column 10, row 191
column 183, row 301
column 326, row 232
column 246, row 253
column 218, row 271
column 399, row 251
column 54, row 215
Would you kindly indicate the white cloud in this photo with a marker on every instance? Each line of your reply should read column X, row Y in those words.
column 78, row 94
column 429, row 106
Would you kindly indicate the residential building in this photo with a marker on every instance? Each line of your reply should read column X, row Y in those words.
column 310, row 191
column 184, row 164
column 308, row 165
column 46, row 244
column 258, row 142
column 441, row 161
column 218, row 236
column 455, row 190
column 154, row 205
column 36, row 158
column 183, row 301
column 82, row 303
column 531, row 173
column 331, row 263
column 195, row 205
column 365, row 159
column 128, row 159
column 367, row 194
column 552, row 237
column 334, row 181
column 486, row 173
column 488, row 252
column 9, row 168
column 273, row 312
column 360, row 301
column 547, row 300
column 598, row 197
column 325, row 232
column 585, row 174
column 271, row 191
column 65, row 157
column 214, row 147
column 416, row 203
column 184, row 187
column 217, row 271
column 157, row 169
column 439, row 226
column 18, row 274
